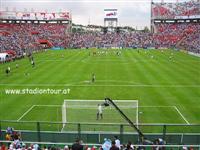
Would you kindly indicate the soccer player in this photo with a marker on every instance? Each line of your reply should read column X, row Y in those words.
column 16, row 65
column 93, row 78
column 33, row 63
column 99, row 112
column 7, row 71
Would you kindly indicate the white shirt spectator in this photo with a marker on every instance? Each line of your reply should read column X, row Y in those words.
column 117, row 142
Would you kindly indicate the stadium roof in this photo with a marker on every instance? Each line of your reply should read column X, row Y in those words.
column 135, row 13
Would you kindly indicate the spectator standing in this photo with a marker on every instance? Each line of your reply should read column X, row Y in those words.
column 107, row 144
column 114, row 147
column 117, row 142
column 77, row 145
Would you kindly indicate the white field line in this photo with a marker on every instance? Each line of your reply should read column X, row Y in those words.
column 47, row 105
column 26, row 112
column 181, row 115
column 110, row 123
column 156, row 106
column 105, row 85
column 139, row 124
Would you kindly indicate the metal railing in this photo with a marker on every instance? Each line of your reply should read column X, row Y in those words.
column 53, row 132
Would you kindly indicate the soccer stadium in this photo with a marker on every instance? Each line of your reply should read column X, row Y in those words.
column 108, row 86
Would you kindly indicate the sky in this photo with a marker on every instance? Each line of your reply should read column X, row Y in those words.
column 134, row 13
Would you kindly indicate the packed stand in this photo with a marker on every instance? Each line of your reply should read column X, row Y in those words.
column 169, row 35
column 175, row 10
column 29, row 37
column 192, row 42
column 99, row 39
column 34, row 37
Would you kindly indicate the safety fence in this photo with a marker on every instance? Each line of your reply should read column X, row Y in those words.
column 55, row 132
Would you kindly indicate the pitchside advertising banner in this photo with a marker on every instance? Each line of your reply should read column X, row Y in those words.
column 110, row 14
column 35, row 15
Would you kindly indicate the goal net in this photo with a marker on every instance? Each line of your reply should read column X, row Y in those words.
column 84, row 108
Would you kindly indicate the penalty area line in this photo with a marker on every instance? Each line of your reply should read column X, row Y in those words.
column 26, row 112
column 181, row 115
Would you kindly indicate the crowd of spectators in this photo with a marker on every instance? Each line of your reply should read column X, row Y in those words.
column 108, row 144
column 15, row 142
column 34, row 37
column 27, row 37
column 192, row 42
column 98, row 39
column 182, row 35
column 175, row 10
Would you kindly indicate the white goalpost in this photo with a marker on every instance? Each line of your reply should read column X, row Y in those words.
column 92, row 104
column 64, row 114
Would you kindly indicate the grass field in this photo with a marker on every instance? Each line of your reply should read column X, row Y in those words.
column 166, row 84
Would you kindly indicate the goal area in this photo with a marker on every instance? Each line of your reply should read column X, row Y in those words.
column 85, row 111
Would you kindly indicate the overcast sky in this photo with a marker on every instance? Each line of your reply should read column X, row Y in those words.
column 135, row 13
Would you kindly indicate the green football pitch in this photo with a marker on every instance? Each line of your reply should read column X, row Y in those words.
column 166, row 84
